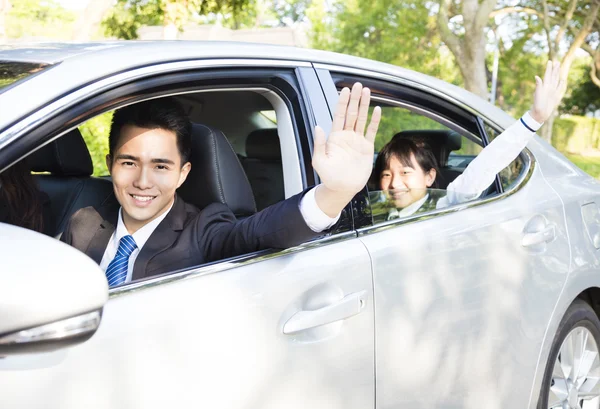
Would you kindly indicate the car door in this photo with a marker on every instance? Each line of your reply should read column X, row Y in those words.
column 273, row 329
column 462, row 294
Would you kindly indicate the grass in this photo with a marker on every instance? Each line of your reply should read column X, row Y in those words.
column 589, row 164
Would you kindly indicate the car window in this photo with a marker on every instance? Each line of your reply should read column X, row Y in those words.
column 510, row 174
column 250, row 125
column 453, row 150
column 395, row 204
column 11, row 71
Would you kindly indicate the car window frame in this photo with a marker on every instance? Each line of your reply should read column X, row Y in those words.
column 327, row 74
column 56, row 119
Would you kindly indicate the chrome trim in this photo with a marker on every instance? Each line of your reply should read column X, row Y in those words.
column 217, row 267
column 529, row 167
column 37, row 118
column 71, row 327
column 403, row 81
column 427, row 113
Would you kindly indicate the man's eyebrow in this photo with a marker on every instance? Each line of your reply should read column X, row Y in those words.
column 124, row 156
column 162, row 160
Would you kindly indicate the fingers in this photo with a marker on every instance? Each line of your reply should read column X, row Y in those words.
column 555, row 74
column 374, row 125
column 538, row 81
column 339, row 117
column 562, row 87
column 320, row 143
column 548, row 73
column 363, row 111
column 352, row 113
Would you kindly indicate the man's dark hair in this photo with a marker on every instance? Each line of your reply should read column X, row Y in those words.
column 162, row 113
column 402, row 148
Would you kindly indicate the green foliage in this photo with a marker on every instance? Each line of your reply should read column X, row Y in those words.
column 127, row 16
column 39, row 18
column 95, row 133
column 589, row 164
column 584, row 96
column 400, row 33
column 576, row 133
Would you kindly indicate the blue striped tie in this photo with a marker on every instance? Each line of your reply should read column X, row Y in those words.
column 116, row 273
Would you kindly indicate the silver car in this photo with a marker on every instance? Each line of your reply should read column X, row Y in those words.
column 489, row 304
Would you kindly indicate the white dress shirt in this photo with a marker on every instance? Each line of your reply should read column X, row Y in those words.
column 314, row 217
column 482, row 171
column 140, row 237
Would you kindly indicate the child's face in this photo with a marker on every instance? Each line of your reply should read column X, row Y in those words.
column 407, row 184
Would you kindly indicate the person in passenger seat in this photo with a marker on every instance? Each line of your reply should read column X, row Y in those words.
column 406, row 169
column 21, row 202
column 150, row 230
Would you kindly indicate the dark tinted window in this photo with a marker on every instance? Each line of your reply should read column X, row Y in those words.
column 11, row 71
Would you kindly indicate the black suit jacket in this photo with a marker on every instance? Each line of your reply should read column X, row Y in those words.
column 188, row 237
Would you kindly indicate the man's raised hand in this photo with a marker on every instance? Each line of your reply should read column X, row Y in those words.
column 344, row 160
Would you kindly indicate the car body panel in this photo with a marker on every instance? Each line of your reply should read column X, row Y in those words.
column 216, row 340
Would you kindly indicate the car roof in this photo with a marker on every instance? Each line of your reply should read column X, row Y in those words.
column 77, row 64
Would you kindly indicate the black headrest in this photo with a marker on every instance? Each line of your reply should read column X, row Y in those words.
column 263, row 144
column 65, row 156
column 217, row 175
column 441, row 141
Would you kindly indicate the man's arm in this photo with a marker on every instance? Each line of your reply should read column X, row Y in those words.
column 281, row 225
column 343, row 162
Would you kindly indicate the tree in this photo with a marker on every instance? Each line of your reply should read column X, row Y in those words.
column 128, row 16
column 592, row 48
column 566, row 31
column 461, row 25
column 397, row 32
column 584, row 98
column 89, row 21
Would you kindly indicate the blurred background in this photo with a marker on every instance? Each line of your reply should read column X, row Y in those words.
column 491, row 48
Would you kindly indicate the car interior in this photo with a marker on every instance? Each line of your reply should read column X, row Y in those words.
column 236, row 158
column 242, row 170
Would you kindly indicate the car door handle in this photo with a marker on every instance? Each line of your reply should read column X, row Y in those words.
column 347, row 307
column 546, row 235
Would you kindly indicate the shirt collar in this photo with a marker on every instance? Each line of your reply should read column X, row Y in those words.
column 143, row 234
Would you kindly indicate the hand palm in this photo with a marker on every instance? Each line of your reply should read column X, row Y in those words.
column 344, row 161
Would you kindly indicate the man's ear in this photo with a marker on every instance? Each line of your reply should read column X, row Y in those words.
column 430, row 177
column 109, row 163
column 185, row 171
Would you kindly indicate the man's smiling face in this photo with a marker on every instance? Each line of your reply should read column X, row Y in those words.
column 146, row 170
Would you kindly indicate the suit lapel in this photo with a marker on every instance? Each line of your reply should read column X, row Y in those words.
column 104, row 230
column 163, row 237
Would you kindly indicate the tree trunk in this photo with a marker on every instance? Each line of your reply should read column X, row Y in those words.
column 89, row 21
column 469, row 51
column 472, row 66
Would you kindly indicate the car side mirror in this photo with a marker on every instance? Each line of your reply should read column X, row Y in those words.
column 51, row 295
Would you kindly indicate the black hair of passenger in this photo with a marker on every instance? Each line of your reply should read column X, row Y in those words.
column 162, row 113
column 402, row 148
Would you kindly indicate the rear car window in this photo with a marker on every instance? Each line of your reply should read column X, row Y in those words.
column 12, row 71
